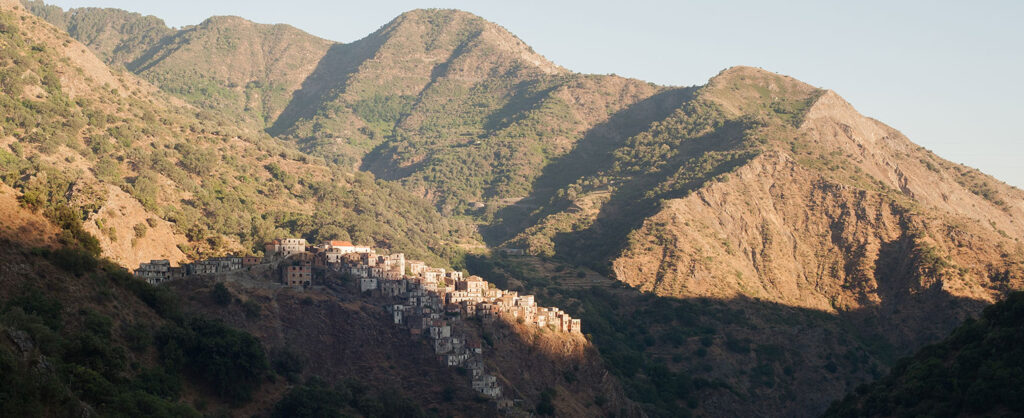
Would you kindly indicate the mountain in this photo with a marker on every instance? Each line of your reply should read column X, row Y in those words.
column 765, row 192
column 152, row 176
column 245, row 71
column 258, row 67
column 384, row 103
column 116, row 36
column 973, row 372
column 750, row 246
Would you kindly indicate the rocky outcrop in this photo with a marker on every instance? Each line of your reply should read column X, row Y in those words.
column 779, row 232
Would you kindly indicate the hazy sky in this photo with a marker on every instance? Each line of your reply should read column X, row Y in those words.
column 945, row 73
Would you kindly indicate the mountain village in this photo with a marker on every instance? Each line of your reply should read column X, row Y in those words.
column 429, row 302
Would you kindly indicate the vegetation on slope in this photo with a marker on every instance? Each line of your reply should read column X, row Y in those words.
column 224, row 189
column 116, row 36
column 80, row 336
column 119, row 346
column 977, row 371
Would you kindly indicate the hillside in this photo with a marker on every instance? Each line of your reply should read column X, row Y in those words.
column 343, row 334
column 869, row 215
column 118, row 37
column 79, row 336
column 763, row 191
column 973, row 372
column 385, row 102
column 154, row 177
column 245, row 71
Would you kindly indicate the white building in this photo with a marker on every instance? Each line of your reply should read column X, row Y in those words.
column 285, row 247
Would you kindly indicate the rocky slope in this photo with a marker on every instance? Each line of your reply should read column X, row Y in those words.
column 766, row 189
column 828, row 222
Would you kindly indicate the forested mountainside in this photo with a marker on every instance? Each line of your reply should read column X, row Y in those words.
column 976, row 371
column 154, row 177
column 739, row 214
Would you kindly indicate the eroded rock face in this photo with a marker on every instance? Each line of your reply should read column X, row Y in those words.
column 863, row 214
column 115, row 223
column 779, row 232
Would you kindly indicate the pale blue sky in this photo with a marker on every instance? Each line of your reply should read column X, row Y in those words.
column 945, row 73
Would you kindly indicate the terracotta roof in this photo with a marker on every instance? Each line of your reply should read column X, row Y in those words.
column 340, row 243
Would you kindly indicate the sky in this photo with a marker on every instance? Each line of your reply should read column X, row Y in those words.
column 945, row 73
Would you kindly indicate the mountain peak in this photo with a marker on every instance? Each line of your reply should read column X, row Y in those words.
column 228, row 21
column 743, row 89
column 453, row 31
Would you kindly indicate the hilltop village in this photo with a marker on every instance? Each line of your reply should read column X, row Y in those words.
column 430, row 302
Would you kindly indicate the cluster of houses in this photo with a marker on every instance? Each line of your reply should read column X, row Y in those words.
column 430, row 302
column 414, row 282
column 159, row 271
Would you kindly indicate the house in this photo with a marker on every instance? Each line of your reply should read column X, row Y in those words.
column 416, row 268
column 393, row 263
column 440, row 329
column 397, row 313
column 488, row 385
column 469, row 308
column 486, row 309
column 359, row 271
column 298, row 275
column 155, row 271
column 475, row 286
column 367, row 283
column 285, row 247
column 178, row 273
column 251, row 260
column 392, row 288
column 442, row 346
column 457, row 296
column 344, row 247
column 513, row 251
column 202, row 267
column 225, row 264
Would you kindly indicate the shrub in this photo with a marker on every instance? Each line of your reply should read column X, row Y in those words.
column 221, row 295
column 140, row 230
column 251, row 309
column 231, row 362
column 310, row 401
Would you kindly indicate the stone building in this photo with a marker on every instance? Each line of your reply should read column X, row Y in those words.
column 298, row 275
column 155, row 271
